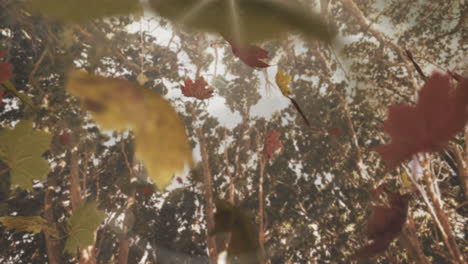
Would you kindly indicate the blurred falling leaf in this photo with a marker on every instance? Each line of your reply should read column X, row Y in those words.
column 34, row 224
column 81, row 226
column 197, row 89
column 251, row 55
column 81, row 10
column 160, row 139
column 21, row 148
column 244, row 241
column 405, row 180
column 5, row 69
column 271, row 144
column 254, row 20
column 283, row 80
column 385, row 223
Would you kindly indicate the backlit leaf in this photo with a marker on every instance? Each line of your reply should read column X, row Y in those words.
column 81, row 10
column 160, row 139
column 254, row 20
column 250, row 54
column 197, row 89
column 21, row 148
column 441, row 113
column 283, row 80
column 271, row 144
column 81, row 226
column 34, row 224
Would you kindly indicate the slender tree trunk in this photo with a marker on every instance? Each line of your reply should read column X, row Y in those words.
column 209, row 207
column 87, row 255
column 52, row 244
column 261, row 203
column 446, row 231
column 410, row 241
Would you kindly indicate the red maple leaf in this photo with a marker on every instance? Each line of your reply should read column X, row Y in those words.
column 441, row 113
column 271, row 144
column 335, row 131
column 146, row 190
column 5, row 69
column 250, row 54
column 385, row 223
column 179, row 180
column 197, row 89
column 64, row 138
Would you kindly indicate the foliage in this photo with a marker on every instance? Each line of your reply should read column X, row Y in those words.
column 250, row 54
column 5, row 69
column 21, row 149
column 197, row 89
column 82, row 225
column 34, row 224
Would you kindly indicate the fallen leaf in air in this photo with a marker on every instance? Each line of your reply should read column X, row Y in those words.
column 34, row 224
column 160, row 139
column 5, row 69
column 248, row 20
column 384, row 224
column 64, row 138
column 22, row 148
column 197, row 89
column 283, row 81
column 250, row 54
column 271, row 144
column 243, row 242
column 81, row 226
column 441, row 113
column 81, row 10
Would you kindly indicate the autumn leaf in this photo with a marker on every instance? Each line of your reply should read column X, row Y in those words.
column 64, row 138
column 21, row 148
column 335, row 131
column 271, row 144
column 250, row 54
column 243, row 242
column 384, row 224
column 34, row 224
column 81, row 10
column 441, row 113
column 197, row 89
column 146, row 190
column 5, row 69
column 81, row 226
column 248, row 20
column 160, row 139
column 283, row 80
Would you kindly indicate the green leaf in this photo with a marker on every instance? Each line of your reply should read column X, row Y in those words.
column 82, row 10
column 81, row 226
column 21, row 149
column 256, row 19
column 33, row 224
column 160, row 139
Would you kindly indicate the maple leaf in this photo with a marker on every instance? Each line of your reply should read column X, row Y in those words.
column 160, row 139
column 21, row 148
column 197, row 89
column 81, row 226
column 243, row 242
column 271, row 144
column 64, row 138
column 250, row 54
column 385, row 223
column 5, row 69
column 441, row 113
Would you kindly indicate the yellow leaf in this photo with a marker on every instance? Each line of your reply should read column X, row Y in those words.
column 283, row 80
column 33, row 224
column 160, row 139
column 405, row 180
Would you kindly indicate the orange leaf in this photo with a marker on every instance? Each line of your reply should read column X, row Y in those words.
column 250, row 54
column 271, row 144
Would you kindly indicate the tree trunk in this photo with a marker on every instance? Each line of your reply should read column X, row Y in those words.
column 209, row 207
column 52, row 244
column 261, row 203
column 410, row 241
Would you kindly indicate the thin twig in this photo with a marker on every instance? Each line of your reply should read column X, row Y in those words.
column 418, row 69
